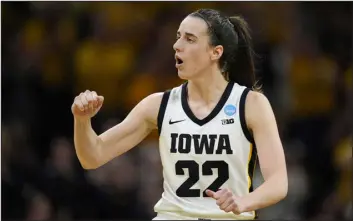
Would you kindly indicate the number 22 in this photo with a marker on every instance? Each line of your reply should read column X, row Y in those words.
column 194, row 176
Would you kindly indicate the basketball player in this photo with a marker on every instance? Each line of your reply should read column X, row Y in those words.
column 208, row 126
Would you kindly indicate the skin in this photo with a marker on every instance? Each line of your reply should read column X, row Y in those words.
column 206, row 85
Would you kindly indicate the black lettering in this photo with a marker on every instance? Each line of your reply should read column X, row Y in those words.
column 185, row 189
column 227, row 121
column 184, row 148
column 223, row 174
column 224, row 144
column 200, row 143
column 204, row 144
column 173, row 145
column 194, row 175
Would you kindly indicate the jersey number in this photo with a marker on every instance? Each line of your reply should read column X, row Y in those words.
column 193, row 167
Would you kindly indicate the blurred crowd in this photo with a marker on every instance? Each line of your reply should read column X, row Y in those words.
column 52, row 51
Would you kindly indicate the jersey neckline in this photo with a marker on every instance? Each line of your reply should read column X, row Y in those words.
column 222, row 101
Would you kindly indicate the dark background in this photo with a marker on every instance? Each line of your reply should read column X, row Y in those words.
column 51, row 51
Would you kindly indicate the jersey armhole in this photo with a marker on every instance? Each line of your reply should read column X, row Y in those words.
column 243, row 124
column 162, row 109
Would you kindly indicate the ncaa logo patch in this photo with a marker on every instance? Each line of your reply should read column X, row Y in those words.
column 230, row 109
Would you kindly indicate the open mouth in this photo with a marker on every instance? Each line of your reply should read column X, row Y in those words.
column 178, row 60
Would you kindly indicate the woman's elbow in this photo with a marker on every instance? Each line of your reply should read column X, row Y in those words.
column 88, row 165
column 89, row 161
column 284, row 192
column 90, row 158
column 284, row 187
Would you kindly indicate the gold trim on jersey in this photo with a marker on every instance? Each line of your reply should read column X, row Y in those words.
column 251, row 166
column 249, row 158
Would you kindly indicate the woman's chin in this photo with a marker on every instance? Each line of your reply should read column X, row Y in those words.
column 182, row 75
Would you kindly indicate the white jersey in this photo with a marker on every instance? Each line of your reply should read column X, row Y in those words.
column 212, row 153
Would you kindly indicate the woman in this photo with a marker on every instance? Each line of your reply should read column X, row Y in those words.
column 208, row 127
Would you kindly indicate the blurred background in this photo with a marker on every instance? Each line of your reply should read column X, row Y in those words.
column 52, row 51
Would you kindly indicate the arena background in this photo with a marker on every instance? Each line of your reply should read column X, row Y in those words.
column 51, row 51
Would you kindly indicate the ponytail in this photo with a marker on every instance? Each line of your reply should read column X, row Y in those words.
column 242, row 69
column 237, row 62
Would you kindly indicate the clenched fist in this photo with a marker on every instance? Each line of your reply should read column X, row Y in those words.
column 87, row 104
column 227, row 201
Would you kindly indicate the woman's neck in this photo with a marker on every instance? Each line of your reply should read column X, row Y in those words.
column 208, row 88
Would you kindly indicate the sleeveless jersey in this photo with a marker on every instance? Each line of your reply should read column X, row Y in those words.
column 213, row 153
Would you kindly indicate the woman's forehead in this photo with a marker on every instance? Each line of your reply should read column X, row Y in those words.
column 193, row 25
